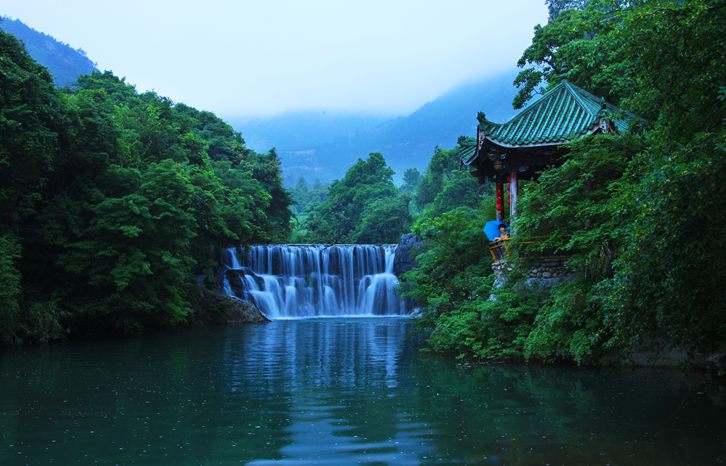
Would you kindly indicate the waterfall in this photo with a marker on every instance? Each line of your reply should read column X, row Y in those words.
column 308, row 280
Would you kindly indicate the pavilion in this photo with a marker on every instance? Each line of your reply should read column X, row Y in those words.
column 532, row 140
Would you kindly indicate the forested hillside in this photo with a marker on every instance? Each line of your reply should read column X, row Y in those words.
column 113, row 202
column 64, row 62
column 638, row 213
column 363, row 207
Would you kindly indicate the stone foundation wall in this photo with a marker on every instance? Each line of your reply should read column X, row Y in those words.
column 543, row 273
column 546, row 273
column 549, row 268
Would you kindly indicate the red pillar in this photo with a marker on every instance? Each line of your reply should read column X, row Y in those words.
column 513, row 194
column 500, row 199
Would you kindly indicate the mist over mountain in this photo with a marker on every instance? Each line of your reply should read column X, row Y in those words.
column 321, row 146
column 64, row 62
column 318, row 144
column 302, row 128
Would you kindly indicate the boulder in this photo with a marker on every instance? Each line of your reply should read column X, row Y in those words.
column 212, row 308
column 241, row 312
column 234, row 278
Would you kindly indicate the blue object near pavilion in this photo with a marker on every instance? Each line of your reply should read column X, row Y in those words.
column 491, row 229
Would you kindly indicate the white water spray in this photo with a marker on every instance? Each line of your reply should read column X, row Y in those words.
column 309, row 280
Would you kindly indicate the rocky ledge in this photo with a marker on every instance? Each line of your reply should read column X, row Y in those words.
column 212, row 308
column 405, row 253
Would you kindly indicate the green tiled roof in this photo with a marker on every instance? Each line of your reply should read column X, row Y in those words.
column 467, row 148
column 561, row 115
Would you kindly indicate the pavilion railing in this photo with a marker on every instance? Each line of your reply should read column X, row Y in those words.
column 499, row 249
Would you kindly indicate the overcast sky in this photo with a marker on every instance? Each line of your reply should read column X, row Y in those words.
column 268, row 56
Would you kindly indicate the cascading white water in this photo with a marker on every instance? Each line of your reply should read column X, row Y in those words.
column 308, row 280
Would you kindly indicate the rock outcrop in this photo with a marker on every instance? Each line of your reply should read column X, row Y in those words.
column 212, row 308
column 405, row 253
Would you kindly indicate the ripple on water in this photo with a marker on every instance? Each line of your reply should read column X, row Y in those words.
column 338, row 392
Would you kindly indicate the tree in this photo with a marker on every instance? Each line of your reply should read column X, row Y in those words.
column 113, row 203
column 10, row 292
column 29, row 120
column 411, row 178
column 336, row 220
column 555, row 7
column 624, row 207
column 143, row 233
column 384, row 221
column 302, row 185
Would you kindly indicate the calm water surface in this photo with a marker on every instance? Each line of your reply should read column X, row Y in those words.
column 339, row 392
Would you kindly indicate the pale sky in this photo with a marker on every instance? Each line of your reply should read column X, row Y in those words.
column 241, row 58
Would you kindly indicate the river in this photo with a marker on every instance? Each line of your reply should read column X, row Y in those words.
column 339, row 391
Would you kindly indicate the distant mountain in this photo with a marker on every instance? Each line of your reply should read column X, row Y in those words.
column 65, row 63
column 318, row 144
column 302, row 129
column 324, row 146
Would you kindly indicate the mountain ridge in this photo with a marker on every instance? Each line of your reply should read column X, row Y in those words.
column 318, row 144
column 64, row 62
column 406, row 141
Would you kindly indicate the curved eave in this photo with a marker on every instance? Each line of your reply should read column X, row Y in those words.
column 595, row 128
column 523, row 146
column 471, row 158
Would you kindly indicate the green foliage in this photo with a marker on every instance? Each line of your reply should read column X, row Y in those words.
column 133, row 237
column 446, row 277
column 22, row 322
column 555, row 7
column 364, row 206
column 452, row 276
column 63, row 61
column 453, row 281
column 10, row 279
column 411, row 179
column 444, row 186
column 638, row 214
column 443, row 164
column 654, row 58
column 29, row 116
column 39, row 323
column 454, row 260
column 568, row 325
column 117, row 200
column 571, row 209
column 668, row 285
column 649, row 253
column 306, row 200
column 384, row 221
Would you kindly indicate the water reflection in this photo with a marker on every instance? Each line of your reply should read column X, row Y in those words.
column 357, row 421
column 338, row 392
column 317, row 353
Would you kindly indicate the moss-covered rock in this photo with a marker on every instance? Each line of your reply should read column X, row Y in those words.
column 212, row 308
